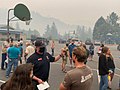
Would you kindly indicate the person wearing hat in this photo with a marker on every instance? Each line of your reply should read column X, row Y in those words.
column 41, row 61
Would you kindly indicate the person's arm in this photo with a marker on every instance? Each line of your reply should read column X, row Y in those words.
column 65, row 85
column 37, row 79
column 62, row 87
column 58, row 57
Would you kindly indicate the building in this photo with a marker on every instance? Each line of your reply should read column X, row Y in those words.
column 14, row 33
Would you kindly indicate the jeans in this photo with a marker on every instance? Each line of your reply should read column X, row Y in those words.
column 103, row 82
column 9, row 66
column 3, row 60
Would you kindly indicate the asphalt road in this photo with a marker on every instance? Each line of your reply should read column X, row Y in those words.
column 56, row 76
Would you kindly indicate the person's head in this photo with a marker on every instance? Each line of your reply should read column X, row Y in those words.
column 67, row 44
column 21, row 78
column 52, row 41
column 11, row 44
column 72, row 41
column 79, row 54
column 23, row 71
column 8, row 40
column 16, row 44
column 106, row 50
column 40, row 46
column 27, row 44
column 21, row 39
column 18, row 40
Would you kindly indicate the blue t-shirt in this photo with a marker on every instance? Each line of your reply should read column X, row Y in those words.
column 71, row 47
column 13, row 52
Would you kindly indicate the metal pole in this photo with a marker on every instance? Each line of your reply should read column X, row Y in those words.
column 8, row 32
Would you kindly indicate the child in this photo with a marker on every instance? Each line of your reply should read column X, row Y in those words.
column 64, row 58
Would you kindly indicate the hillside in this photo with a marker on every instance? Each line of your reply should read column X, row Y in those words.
column 38, row 22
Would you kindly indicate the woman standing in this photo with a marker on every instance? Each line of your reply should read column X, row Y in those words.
column 103, row 69
column 111, row 67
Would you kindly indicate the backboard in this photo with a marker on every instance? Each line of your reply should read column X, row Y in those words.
column 22, row 12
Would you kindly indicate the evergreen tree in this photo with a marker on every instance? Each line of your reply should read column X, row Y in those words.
column 112, row 19
column 54, row 31
column 99, row 28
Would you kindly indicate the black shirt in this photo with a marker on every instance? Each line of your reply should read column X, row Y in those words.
column 110, row 62
column 41, row 64
column 103, row 66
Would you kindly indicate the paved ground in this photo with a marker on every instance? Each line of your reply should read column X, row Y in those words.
column 56, row 75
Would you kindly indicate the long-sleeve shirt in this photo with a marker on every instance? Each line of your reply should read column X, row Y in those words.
column 103, row 66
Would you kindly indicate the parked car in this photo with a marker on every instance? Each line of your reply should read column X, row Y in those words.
column 62, row 41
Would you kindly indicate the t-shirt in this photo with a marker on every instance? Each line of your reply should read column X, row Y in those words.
column 41, row 64
column 71, row 47
column 78, row 79
column 13, row 52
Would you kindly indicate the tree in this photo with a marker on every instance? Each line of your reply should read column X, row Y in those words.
column 54, row 31
column 99, row 28
column 102, row 28
column 89, row 33
column 112, row 19
column 47, row 32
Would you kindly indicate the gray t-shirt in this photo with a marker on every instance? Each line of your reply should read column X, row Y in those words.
column 78, row 79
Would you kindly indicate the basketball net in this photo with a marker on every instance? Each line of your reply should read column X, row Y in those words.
column 27, row 22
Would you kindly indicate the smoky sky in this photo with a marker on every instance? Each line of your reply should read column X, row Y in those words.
column 80, row 12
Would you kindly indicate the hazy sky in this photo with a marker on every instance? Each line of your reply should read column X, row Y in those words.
column 80, row 12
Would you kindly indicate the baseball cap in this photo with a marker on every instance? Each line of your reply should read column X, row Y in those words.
column 39, row 43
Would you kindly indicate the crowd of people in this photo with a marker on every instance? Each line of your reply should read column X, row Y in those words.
column 37, row 65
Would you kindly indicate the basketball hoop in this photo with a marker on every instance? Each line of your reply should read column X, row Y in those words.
column 27, row 22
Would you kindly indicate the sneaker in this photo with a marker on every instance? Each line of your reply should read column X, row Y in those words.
column 11, row 71
column 109, row 88
column 3, row 69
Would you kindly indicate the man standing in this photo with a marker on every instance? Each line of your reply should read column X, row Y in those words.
column 41, row 61
column 13, row 55
column 70, row 48
column 81, row 77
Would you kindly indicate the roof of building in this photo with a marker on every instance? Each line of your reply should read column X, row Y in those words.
column 10, row 30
